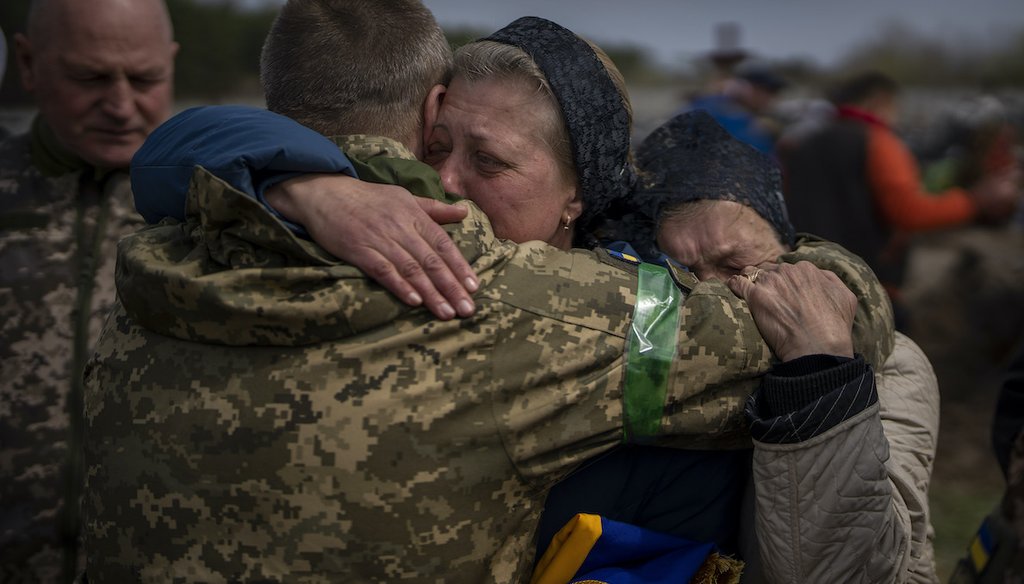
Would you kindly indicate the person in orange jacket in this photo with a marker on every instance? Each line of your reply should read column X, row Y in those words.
column 855, row 182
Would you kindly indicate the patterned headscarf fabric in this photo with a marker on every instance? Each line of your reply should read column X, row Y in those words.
column 597, row 120
column 692, row 158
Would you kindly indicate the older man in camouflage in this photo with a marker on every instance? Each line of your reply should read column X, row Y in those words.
column 258, row 410
column 101, row 73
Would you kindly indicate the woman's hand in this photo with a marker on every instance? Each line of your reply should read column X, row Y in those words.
column 799, row 308
column 388, row 233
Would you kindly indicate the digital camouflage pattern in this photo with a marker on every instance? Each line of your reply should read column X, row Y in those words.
column 57, row 250
column 257, row 410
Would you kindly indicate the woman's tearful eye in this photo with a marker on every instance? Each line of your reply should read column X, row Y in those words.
column 436, row 152
column 489, row 164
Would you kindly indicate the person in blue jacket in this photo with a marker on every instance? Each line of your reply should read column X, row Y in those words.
column 743, row 106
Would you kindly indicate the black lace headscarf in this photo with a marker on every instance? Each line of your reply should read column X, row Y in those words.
column 597, row 120
column 692, row 158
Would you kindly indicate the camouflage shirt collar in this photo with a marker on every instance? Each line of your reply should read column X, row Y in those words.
column 383, row 160
column 365, row 146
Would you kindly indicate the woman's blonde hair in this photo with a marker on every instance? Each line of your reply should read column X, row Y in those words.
column 482, row 60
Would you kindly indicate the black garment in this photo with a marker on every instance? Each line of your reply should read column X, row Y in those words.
column 828, row 194
column 693, row 494
column 698, row 494
column 1009, row 415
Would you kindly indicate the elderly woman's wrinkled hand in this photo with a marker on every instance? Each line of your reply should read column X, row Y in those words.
column 799, row 308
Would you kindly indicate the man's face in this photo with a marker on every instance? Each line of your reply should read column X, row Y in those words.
column 101, row 81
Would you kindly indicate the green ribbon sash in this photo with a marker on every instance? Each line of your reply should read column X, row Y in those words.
column 651, row 348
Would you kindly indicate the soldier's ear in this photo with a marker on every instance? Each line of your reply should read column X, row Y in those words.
column 24, row 57
column 431, row 107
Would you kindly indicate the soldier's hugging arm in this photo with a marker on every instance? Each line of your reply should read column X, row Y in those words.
column 251, row 149
column 725, row 347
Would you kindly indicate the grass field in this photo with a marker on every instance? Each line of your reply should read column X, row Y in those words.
column 966, row 484
column 957, row 510
column 969, row 333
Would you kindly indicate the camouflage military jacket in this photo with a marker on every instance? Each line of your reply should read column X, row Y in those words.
column 57, row 247
column 257, row 410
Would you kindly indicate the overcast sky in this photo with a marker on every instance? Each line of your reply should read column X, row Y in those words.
column 675, row 30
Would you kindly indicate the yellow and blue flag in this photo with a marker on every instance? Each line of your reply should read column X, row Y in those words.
column 593, row 549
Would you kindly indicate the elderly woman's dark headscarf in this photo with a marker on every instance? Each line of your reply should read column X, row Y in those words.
column 597, row 119
column 692, row 158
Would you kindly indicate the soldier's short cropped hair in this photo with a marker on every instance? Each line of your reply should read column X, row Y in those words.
column 354, row 66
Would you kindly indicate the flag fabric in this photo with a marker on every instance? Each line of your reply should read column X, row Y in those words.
column 593, row 549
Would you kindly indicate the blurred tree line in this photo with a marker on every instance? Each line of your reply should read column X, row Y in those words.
column 221, row 40
column 918, row 59
column 635, row 62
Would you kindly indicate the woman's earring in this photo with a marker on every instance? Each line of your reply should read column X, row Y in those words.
column 568, row 220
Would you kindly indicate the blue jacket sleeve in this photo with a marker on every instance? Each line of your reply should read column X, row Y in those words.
column 249, row 148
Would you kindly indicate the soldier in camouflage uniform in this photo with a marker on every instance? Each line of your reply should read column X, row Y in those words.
column 257, row 410
column 101, row 75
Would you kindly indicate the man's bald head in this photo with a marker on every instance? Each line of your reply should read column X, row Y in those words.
column 49, row 19
column 101, row 72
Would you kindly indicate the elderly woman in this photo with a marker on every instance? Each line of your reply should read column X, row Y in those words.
column 714, row 204
column 534, row 129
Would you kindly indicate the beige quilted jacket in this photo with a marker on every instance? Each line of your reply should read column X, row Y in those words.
column 851, row 504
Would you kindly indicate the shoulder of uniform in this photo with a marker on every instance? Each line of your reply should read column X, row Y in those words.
column 683, row 278
column 622, row 256
column 619, row 259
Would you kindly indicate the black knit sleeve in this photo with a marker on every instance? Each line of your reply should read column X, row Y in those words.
column 803, row 398
column 1009, row 415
